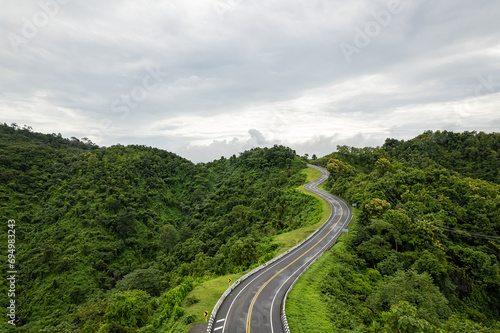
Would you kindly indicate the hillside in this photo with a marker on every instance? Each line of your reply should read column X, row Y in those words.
column 112, row 239
column 423, row 253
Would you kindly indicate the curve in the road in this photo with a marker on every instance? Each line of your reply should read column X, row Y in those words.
column 253, row 304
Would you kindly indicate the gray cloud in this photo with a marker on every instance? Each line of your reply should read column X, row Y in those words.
column 225, row 148
column 257, row 137
column 273, row 66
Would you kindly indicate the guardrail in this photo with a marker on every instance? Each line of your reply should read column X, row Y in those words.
column 284, row 320
column 246, row 276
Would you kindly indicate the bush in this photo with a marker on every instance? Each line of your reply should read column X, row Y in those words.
column 148, row 280
column 128, row 309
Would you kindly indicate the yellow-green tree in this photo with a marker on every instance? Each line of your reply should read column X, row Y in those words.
column 377, row 207
column 336, row 166
column 383, row 165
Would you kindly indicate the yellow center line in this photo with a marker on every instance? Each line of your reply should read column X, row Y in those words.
column 249, row 316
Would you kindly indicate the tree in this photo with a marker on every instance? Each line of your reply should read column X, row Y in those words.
column 337, row 167
column 403, row 318
column 417, row 289
column 374, row 249
column 434, row 264
column 457, row 324
column 377, row 207
column 127, row 309
column 125, row 223
column 243, row 252
column 168, row 237
column 148, row 280
column 383, row 165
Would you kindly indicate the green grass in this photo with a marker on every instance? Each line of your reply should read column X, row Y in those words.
column 306, row 307
column 208, row 293
column 288, row 240
column 312, row 174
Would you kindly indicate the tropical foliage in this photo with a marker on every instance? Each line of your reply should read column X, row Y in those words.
column 113, row 239
column 424, row 252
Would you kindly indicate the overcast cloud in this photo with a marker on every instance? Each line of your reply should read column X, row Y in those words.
column 206, row 79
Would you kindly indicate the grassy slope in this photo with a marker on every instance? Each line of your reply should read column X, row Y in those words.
column 306, row 307
column 288, row 240
column 209, row 292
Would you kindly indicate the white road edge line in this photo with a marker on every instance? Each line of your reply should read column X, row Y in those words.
column 234, row 300
column 264, row 271
column 330, row 219
column 307, row 262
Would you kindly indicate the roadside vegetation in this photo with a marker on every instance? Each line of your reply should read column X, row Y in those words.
column 136, row 239
column 207, row 293
column 423, row 251
column 115, row 239
column 286, row 241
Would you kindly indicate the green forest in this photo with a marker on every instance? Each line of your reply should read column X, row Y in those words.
column 113, row 239
column 423, row 252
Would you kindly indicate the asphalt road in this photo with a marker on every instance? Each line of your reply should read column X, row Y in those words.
column 254, row 306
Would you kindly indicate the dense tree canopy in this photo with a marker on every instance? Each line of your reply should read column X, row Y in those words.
column 425, row 249
column 111, row 239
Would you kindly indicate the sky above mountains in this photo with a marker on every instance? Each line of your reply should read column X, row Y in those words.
column 212, row 78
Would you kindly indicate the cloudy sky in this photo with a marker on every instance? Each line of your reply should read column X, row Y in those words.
column 206, row 78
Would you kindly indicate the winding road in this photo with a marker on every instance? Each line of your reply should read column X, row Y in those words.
column 254, row 305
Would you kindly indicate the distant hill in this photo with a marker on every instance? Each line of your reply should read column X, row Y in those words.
column 472, row 154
